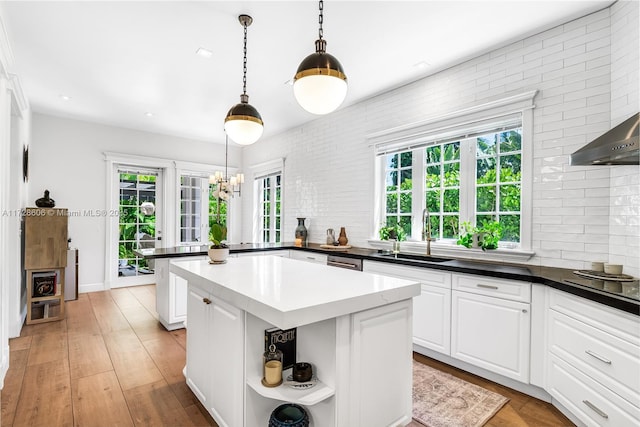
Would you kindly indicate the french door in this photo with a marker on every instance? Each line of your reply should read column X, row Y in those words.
column 139, row 225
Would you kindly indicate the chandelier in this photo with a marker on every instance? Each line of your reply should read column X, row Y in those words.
column 226, row 186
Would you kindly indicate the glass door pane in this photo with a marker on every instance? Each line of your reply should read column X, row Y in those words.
column 137, row 221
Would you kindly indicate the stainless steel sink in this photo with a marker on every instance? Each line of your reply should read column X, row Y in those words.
column 415, row 257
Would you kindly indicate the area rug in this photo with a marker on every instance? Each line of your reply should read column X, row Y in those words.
column 442, row 400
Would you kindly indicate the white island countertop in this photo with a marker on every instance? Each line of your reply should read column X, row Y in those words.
column 289, row 293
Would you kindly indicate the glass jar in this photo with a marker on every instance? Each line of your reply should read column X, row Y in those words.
column 272, row 367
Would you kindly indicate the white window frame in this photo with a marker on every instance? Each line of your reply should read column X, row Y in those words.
column 259, row 171
column 203, row 171
column 272, row 207
column 508, row 112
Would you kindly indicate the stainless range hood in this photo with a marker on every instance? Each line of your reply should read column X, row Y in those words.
column 619, row 146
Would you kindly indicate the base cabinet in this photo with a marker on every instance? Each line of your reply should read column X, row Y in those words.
column 431, row 309
column 362, row 362
column 593, row 366
column 491, row 333
column 215, row 369
column 171, row 295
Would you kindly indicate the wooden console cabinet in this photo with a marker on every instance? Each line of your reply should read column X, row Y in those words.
column 45, row 259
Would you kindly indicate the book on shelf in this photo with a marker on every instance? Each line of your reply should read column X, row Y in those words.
column 285, row 341
column 44, row 283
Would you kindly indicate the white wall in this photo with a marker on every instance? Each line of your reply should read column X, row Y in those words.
column 624, row 206
column 329, row 167
column 67, row 158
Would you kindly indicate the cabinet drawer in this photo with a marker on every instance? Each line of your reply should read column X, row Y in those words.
column 592, row 403
column 500, row 288
column 308, row 256
column 438, row 278
column 616, row 322
column 611, row 361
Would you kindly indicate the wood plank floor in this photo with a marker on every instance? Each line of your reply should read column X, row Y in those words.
column 111, row 363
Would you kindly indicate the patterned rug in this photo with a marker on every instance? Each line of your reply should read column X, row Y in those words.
column 442, row 400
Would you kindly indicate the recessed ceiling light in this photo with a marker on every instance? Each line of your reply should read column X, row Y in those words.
column 205, row 53
column 148, row 114
column 64, row 97
column 421, row 65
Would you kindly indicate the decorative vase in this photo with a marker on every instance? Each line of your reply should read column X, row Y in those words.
column 289, row 415
column 301, row 233
column 218, row 255
column 342, row 239
column 46, row 201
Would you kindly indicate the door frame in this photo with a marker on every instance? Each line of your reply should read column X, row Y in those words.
column 115, row 161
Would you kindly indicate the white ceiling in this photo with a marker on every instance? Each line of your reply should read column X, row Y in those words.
column 117, row 60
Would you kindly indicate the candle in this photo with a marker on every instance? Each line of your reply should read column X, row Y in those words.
column 273, row 372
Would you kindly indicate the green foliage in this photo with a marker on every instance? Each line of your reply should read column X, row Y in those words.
column 467, row 231
column 217, row 235
column 132, row 223
column 489, row 235
column 392, row 232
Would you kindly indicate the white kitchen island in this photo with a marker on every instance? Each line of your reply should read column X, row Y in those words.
column 355, row 329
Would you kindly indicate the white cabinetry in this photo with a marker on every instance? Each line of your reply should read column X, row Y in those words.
column 594, row 360
column 215, row 370
column 171, row 295
column 431, row 309
column 490, row 324
column 308, row 256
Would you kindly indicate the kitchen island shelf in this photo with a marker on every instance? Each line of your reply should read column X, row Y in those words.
column 308, row 397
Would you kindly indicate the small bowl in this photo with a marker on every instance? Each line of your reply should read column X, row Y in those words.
column 613, row 268
column 302, row 372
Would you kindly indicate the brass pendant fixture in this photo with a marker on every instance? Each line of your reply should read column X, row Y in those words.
column 320, row 84
column 243, row 123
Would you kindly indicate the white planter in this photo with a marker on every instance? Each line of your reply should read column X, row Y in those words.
column 218, row 255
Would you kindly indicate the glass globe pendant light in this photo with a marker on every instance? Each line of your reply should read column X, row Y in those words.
column 243, row 123
column 320, row 84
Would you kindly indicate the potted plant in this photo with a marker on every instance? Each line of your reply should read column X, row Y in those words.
column 485, row 237
column 219, row 250
column 489, row 235
column 392, row 232
column 468, row 236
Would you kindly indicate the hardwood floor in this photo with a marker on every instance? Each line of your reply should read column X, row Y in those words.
column 111, row 363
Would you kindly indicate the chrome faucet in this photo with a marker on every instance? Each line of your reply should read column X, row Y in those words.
column 426, row 230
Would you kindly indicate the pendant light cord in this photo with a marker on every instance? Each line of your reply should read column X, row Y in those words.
column 320, row 20
column 226, row 157
column 244, row 62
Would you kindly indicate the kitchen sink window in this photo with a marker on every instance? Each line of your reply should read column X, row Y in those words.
column 468, row 168
column 269, row 207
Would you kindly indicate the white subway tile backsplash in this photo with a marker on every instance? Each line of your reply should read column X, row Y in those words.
column 586, row 74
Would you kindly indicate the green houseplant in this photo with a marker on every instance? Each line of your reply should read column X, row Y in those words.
column 392, row 232
column 468, row 236
column 487, row 236
column 219, row 250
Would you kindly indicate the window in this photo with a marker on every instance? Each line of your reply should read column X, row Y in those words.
column 198, row 209
column 476, row 179
column 269, row 208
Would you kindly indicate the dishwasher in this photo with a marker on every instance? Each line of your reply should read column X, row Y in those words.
column 344, row 262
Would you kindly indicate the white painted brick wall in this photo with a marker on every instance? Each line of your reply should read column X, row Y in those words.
column 329, row 169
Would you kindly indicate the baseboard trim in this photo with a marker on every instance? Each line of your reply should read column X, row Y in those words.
column 528, row 389
column 91, row 287
column 5, row 364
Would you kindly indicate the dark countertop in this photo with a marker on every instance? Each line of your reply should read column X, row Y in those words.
column 621, row 295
